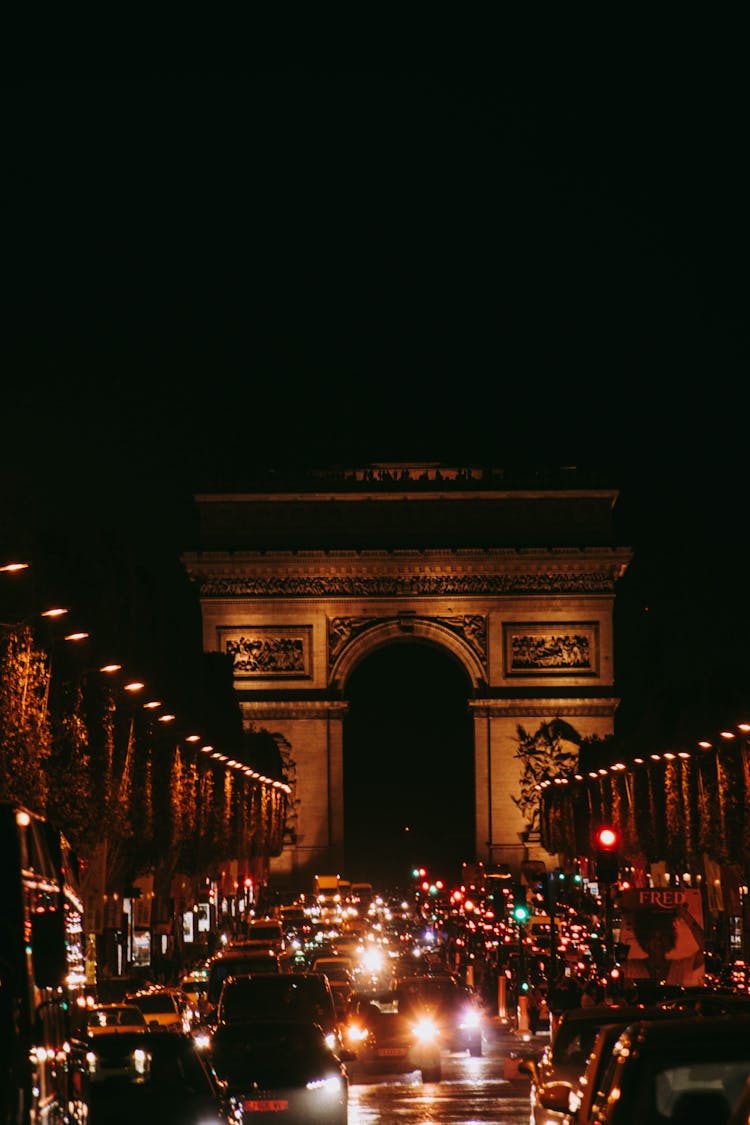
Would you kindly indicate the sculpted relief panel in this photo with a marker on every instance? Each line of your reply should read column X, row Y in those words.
column 277, row 652
column 559, row 648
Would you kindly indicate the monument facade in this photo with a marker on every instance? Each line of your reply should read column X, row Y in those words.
column 514, row 577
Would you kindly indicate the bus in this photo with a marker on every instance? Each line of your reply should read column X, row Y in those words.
column 42, row 974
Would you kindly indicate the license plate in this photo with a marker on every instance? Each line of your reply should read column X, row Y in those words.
column 266, row 1105
column 384, row 1052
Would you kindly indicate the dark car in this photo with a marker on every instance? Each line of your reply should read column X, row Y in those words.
column 237, row 962
column 151, row 1078
column 293, row 996
column 455, row 1008
column 387, row 1038
column 685, row 1071
column 589, row 1092
column 281, row 1070
column 558, row 1072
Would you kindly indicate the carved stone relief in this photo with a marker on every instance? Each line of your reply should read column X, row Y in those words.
column 565, row 648
column 414, row 585
column 269, row 651
column 471, row 628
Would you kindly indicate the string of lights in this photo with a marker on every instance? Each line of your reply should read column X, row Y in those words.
column 153, row 704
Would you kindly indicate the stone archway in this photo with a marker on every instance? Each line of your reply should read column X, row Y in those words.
column 408, row 770
column 299, row 586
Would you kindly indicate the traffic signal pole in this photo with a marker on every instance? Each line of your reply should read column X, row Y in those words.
column 521, row 916
column 607, row 873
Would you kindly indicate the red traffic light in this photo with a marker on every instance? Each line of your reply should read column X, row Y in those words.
column 607, row 839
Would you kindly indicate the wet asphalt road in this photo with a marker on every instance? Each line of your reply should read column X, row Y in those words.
column 473, row 1091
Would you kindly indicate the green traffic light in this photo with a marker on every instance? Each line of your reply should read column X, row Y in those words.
column 521, row 913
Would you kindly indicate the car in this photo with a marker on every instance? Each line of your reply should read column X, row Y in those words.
column 338, row 970
column 162, row 1007
column 388, row 1038
column 576, row 1102
column 557, row 1074
column 282, row 996
column 580, row 1100
column 152, row 1079
column 686, row 1070
column 709, row 1002
column 589, row 1089
column 454, row 1006
column 263, row 933
column 736, row 975
column 281, row 1070
column 194, row 986
column 236, row 962
column 335, row 968
column 115, row 1017
column 741, row 1113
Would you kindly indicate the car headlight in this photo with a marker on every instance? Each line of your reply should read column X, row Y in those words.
column 470, row 1019
column 355, row 1033
column 202, row 1040
column 141, row 1061
column 330, row 1086
column 426, row 1030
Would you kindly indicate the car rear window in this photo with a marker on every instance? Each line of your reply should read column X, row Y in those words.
column 157, row 1003
column 281, row 997
column 252, row 963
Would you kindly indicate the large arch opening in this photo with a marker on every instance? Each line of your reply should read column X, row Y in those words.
column 408, row 765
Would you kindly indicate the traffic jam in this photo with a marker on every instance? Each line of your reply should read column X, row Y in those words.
column 554, row 998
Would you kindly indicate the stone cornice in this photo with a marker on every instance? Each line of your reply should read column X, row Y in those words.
column 256, row 710
column 383, row 573
column 542, row 708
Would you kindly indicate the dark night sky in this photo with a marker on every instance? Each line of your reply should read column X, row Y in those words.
column 307, row 267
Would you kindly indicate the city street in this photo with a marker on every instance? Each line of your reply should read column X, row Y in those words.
column 473, row 1090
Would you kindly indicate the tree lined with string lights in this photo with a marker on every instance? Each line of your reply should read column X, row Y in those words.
column 112, row 778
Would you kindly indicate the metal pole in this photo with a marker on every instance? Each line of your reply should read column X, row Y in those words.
column 608, row 932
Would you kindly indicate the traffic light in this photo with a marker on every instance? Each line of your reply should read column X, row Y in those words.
column 607, row 844
column 521, row 912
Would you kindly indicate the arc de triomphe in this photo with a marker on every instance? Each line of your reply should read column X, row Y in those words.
column 515, row 580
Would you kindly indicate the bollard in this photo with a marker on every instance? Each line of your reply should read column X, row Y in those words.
column 523, row 1013
column 470, row 976
column 502, row 983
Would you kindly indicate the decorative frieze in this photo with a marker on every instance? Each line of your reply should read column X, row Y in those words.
column 564, row 581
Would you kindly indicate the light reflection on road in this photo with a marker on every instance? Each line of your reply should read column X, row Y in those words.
column 444, row 1103
column 473, row 1091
